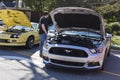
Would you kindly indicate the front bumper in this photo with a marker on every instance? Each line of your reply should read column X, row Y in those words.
column 93, row 61
column 11, row 42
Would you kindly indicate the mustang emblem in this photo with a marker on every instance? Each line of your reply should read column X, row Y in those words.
column 68, row 51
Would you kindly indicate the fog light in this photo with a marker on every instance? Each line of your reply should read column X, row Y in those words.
column 91, row 64
column 8, row 41
column 14, row 40
column 100, row 50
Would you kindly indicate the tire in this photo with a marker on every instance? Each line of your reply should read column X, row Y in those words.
column 102, row 68
column 108, row 54
column 30, row 42
column 105, row 56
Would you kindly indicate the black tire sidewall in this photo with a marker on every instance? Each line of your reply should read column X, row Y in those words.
column 28, row 42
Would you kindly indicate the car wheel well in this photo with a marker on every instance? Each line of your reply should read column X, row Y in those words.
column 105, row 55
column 107, row 51
column 31, row 36
column 30, row 42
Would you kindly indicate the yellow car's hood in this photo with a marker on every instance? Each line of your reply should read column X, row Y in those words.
column 14, row 17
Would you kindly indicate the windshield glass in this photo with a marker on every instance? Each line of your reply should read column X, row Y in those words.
column 35, row 26
column 21, row 28
column 2, row 24
column 18, row 29
column 82, row 33
column 51, row 28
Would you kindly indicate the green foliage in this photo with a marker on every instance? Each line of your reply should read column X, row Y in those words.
column 51, row 4
column 66, row 3
column 115, row 40
column 113, row 28
column 34, row 4
column 110, row 11
column 79, row 3
column 40, row 5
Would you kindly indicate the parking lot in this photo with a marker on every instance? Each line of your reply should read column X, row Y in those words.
column 18, row 63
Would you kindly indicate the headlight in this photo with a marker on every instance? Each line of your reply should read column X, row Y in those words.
column 99, row 50
column 46, row 45
column 94, row 51
column 14, row 36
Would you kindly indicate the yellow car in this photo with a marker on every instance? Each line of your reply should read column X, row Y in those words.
column 17, row 30
column 20, row 36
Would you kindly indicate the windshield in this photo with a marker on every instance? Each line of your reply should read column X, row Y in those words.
column 35, row 26
column 19, row 29
column 2, row 24
column 82, row 33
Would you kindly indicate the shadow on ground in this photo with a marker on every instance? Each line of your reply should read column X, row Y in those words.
column 55, row 73
column 42, row 73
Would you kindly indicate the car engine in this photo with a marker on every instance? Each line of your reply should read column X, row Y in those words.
column 75, row 40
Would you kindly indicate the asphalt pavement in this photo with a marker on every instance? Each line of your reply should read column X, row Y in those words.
column 18, row 63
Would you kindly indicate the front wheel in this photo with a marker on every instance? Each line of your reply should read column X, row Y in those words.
column 102, row 67
column 105, row 56
column 108, row 54
column 30, row 42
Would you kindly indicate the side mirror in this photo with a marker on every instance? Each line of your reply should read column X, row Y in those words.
column 108, row 35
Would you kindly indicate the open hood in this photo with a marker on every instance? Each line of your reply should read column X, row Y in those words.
column 77, row 18
column 14, row 17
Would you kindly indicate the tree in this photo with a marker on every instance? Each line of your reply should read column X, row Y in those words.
column 79, row 3
column 34, row 4
column 51, row 4
column 110, row 10
column 40, row 5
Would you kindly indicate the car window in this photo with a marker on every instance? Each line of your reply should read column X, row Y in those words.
column 21, row 28
column 2, row 24
column 35, row 26
column 51, row 28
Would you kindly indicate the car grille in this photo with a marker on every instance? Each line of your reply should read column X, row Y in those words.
column 4, row 40
column 68, row 52
column 67, row 63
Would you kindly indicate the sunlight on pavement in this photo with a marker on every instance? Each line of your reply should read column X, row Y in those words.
column 116, row 55
column 19, row 68
column 34, row 57
column 32, row 67
column 37, row 59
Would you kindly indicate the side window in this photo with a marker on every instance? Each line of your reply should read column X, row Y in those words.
column 35, row 26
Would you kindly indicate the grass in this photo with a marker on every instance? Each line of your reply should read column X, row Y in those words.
column 114, row 47
column 115, row 42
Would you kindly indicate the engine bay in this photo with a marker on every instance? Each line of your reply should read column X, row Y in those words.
column 75, row 40
column 16, row 31
column 19, row 29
